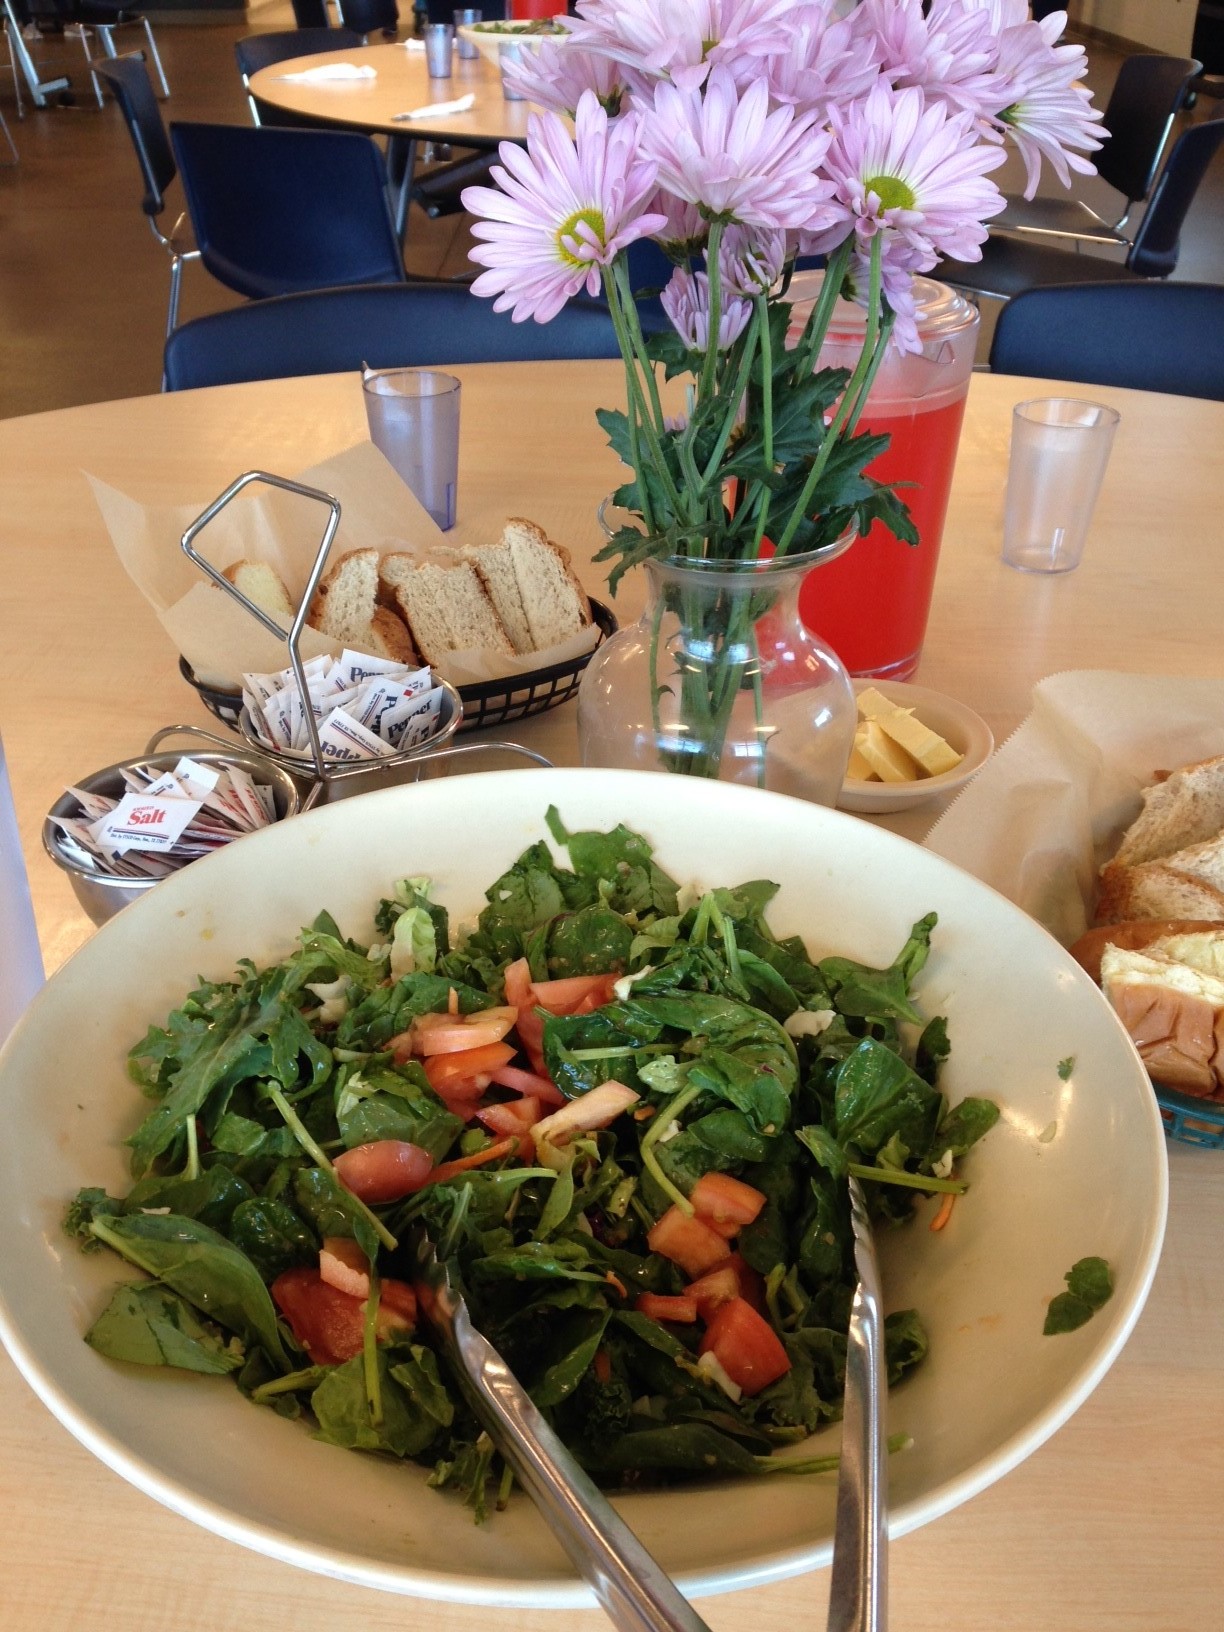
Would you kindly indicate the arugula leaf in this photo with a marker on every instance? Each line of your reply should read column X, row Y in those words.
column 342, row 1410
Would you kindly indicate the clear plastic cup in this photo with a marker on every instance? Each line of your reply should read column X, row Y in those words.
column 413, row 415
column 439, row 48
column 1059, row 449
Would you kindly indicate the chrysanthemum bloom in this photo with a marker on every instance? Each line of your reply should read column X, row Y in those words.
column 950, row 53
column 686, row 300
column 750, row 261
column 686, row 229
column 1042, row 105
column 561, row 210
column 681, row 40
column 914, row 171
column 728, row 154
column 824, row 62
column 899, row 264
column 554, row 75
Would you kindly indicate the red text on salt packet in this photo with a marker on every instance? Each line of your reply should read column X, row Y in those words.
column 143, row 821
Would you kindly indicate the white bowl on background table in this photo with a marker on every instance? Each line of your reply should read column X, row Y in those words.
column 1075, row 1167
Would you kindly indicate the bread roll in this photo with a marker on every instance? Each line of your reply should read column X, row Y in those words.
column 1170, row 998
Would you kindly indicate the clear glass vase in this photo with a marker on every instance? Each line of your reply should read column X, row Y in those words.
column 720, row 678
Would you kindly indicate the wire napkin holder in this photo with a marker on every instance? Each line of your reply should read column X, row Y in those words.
column 327, row 773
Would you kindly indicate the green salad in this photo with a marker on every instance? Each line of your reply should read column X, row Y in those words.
column 626, row 1118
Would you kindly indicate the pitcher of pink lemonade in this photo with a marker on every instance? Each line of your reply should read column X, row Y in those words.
column 871, row 605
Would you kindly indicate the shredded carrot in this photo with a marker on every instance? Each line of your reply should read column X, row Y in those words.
column 643, row 1113
column 463, row 1164
column 452, row 1001
column 615, row 1280
column 944, row 1213
column 602, row 1366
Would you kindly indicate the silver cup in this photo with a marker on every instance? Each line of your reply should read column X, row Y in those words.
column 509, row 53
column 466, row 18
column 439, row 48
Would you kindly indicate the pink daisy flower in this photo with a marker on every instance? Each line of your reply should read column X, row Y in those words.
column 750, row 262
column 555, row 74
column 686, row 300
column 681, row 40
column 825, row 61
column 948, row 54
column 561, row 210
column 1041, row 103
column 725, row 152
column 685, row 230
column 913, row 170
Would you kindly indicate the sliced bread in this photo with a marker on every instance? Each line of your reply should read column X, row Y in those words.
column 260, row 584
column 1186, row 809
column 495, row 565
column 554, row 602
column 346, row 607
column 1155, row 889
column 444, row 603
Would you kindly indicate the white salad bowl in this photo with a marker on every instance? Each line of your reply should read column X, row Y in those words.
column 488, row 38
column 1075, row 1167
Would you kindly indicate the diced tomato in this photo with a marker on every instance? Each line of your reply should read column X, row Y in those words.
column 564, row 996
column 517, row 980
column 343, row 1264
column 516, row 1116
column 688, row 1242
column 464, row 1164
column 745, row 1346
column 682, row 1310
column 713, row 1290
column 470, row 1068
column 330, row 1324
column 447, row 1034
column 383, row 1171
column 751, row 1282
column 528, row 1083
column 724, row 1203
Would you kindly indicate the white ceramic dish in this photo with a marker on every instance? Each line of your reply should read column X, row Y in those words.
column 964, row 730
column 489, row 44
column 993, row 1387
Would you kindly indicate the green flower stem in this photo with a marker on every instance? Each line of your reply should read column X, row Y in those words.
column 656, row 691
column 856, row 413
column 736, row 396
column 817, row 326
column 639, row 412
column 834, row 431
column 762, row 309
column 710, row 366
column 620, row 271
column 304, row 1138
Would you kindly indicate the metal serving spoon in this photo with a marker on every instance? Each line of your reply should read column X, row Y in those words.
column 858, row 1590
column 638, row 1595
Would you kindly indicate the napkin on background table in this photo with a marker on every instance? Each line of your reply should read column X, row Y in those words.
column 436, row 110
column 1042, row 815
column 330, row 71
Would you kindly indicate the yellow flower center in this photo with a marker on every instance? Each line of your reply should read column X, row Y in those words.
column 891, row 191
column 591, row 218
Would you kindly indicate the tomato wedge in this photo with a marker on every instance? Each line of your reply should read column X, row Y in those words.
column 330, row 1324
column 383, row 1171
column 687, row 1242
column 448, row 1034
column 471, row 1068
column 564, row 996
column 745, row 1346
column 682, row 1310
column 724, row 1203
column 529, row 1084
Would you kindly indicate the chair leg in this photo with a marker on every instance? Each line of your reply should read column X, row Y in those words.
column 12, row 56
column 108, row 45
column 176, row 280
column 157, row 62
column 7, row 134
column 402, row 197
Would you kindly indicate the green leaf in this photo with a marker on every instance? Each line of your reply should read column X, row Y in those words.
column 210, row 1197
column 1089, row 1287
column 342, row 1409
column 148, row 1325
column 878, row 1095
column 272, row 1236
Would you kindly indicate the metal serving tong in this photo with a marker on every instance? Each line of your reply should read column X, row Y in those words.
column 635, row 1591
column 858, row 1590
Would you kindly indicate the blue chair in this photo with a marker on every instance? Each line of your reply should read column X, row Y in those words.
column 1147, row 336
column 311, row 14
column 1011, row 265
column 258, row 51
column 421, row 325
column 132, row 89
column 276, row 212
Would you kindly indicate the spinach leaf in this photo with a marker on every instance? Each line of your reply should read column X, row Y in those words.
column 342, row 1410
column 1089, row 1287
column 394, row 1102
column 149, row 1325
column 858, row 989
column 236, row 1135
column 272, row 1236
column 330, row 1209
column 592, row 941
column 679, row 1447
column 624, row 860
column 878, row 1096
column 388, row 1010
column 210, row 1196
column 964, row 1125
column 202, row 1267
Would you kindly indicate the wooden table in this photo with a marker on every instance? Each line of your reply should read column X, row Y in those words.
column 401, row 83
column 1114, row 1525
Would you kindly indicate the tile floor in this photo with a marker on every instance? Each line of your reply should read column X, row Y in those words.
column 83, row 285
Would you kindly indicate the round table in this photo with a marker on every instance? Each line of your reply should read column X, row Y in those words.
column 1115, row 1522
column 401, row 84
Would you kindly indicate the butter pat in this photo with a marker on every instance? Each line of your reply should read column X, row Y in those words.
column 888, row 760
column 910, row 751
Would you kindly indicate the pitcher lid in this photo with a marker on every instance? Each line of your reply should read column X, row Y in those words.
column 939, row 309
